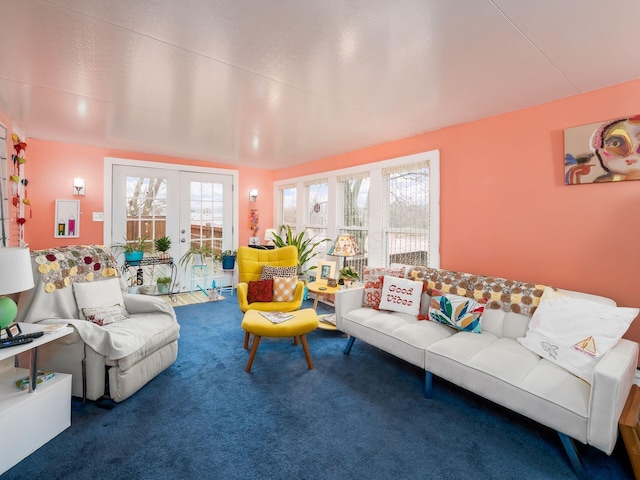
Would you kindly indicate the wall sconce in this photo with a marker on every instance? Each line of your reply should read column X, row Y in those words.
column 253, row 195
column 78, row 186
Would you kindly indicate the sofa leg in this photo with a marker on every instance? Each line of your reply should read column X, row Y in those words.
column 428, row 384
column 570, row 447
column 347, row 349
column 105, row 401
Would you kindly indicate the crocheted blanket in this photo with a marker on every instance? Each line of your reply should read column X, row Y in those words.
column 500, row 293
column 60, row 267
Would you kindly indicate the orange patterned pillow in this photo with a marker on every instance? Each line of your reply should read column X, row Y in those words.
column 284, row 288
column 372, row 278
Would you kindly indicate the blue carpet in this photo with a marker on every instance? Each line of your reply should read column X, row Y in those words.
column 358, row 416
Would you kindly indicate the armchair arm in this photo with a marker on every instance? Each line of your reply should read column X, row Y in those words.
column 612, row 379
column 136, row 303
column 242, row 290
column 347, row 299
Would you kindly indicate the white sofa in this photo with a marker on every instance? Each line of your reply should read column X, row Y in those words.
column 108, row 363
column 494, row 365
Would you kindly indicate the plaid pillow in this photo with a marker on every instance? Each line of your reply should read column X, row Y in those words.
column 269, row 271
column 372, row 278
column 284, row 288
column 260, row 291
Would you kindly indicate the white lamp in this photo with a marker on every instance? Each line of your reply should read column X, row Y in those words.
column 253, row 195
column 78, row 186
column 15, row 276
column 268, row 235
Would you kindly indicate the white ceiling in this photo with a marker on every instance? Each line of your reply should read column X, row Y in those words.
column 274, row 83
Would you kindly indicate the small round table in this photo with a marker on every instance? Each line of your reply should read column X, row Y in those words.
column 322, row 289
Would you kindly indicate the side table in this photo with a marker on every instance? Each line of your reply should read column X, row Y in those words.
column 320, row 289
column 31, row 419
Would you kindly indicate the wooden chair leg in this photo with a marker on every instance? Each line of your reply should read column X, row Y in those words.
column 254, row 349
column 246, row 340
column 295, row 341
column 305, row 347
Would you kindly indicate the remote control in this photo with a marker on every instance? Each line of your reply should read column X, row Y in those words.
column 10, row 342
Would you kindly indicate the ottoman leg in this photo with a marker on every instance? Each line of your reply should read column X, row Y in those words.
column 254, row 349
column 305, row 347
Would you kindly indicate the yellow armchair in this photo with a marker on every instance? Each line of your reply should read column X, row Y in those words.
column 250, row 263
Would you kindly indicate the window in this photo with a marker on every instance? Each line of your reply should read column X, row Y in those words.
column 391, row 208
column 355, row 190
column 317, row 194
column 406, row 226
column 288, row 203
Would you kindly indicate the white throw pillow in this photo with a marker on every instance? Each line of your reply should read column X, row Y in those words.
column 102, row 293
column 575, row 333
column 401, row 295
column 103, row 315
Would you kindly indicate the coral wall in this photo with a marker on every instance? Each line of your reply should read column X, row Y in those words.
column 505, row 210
column 53, row 165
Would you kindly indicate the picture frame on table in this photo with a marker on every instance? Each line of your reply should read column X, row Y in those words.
column 325, row 271
column 332, row 282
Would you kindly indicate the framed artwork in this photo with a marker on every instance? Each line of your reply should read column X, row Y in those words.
column 326, row 270
column 332, row 282
column 601, row 152
column 67, row 219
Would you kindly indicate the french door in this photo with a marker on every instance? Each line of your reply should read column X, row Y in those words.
column 193, row 209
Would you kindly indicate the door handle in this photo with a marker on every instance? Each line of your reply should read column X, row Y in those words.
column 183, row 240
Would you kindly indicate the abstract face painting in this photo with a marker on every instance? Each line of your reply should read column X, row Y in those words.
column 613, row 153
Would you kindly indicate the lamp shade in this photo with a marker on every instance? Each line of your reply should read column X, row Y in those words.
column 268, row 235
column 15, row 276
column 344, row 246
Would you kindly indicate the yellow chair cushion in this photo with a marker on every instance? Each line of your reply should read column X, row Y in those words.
column 303, row 322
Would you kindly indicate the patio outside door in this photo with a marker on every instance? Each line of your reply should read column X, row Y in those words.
column 192, row 208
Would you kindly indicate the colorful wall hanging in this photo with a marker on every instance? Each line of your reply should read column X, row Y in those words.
column 67, row 219
column 18, row 183
column 606, row 151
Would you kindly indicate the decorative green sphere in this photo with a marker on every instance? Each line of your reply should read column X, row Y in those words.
column 8, row 311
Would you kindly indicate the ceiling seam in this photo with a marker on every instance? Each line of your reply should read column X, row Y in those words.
column 524, row 35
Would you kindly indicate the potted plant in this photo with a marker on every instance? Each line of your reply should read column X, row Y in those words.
column 228, row 259
column 163, row 244
column 196, row 255
column 133, row 250
column 163, row 284
column 305, row 247
column 348, row 275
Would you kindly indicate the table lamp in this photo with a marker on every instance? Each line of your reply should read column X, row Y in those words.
column 268, row 235
column 15, row 276
column 344, row 246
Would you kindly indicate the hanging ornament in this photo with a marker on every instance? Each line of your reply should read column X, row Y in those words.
column 22, row 160
column 19, row 146
column 15, row 178
column 22, row 220
column 15, row 201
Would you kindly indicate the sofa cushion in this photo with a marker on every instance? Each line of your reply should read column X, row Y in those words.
column 104, row 293
column 372, row 278
column 260, row 291
column 284, row 288
column 270, row 271
column 461, row 313
column 575, row 333
column 401, row 295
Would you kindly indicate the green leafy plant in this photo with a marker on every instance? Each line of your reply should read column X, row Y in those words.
column 204, row 250
column 142, row 244
column 162, row 244
column 228, row 253
column 305, row 246
column 348, row 273
column 165, row 280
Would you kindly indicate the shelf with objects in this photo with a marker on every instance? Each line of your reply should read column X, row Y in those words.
column 33, row 419
column 151, row 261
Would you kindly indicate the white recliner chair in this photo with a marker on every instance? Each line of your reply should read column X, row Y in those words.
column 109, row 360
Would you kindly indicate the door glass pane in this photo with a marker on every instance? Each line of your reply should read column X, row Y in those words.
column 206, row 215
column 289, row 212
column 146, row 203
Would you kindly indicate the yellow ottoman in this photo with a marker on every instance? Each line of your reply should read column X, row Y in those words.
column 303, row 322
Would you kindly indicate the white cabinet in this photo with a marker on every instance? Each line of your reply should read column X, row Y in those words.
column 31, row 419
